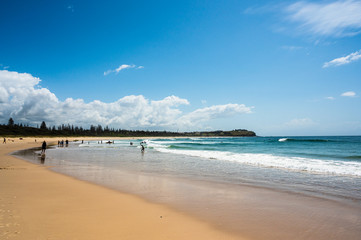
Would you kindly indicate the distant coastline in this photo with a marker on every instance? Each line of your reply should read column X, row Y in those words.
column 15, row 130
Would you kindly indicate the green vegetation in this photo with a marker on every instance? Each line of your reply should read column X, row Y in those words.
column 12, row 129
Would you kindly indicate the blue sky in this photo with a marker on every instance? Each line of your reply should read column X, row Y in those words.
column 274, row 67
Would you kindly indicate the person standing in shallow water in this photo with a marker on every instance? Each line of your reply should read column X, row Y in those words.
column 142, row 147
column 43, row 147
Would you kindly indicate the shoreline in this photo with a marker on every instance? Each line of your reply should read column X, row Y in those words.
column 37, row 203
column 253, row 212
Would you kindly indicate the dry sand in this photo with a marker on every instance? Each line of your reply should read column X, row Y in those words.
column 36, row 203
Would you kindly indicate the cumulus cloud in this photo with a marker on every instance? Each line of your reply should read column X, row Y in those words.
column 343, row 60
column 122, row 67
column 337, row 19
column 22, row 98
column 348, row 94
column 202, row 115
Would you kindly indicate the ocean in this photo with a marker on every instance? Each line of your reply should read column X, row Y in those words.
column 204, row 175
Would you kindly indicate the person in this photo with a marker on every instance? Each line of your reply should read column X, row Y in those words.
column 43, row 147
column 4, row 141
column 142, row 148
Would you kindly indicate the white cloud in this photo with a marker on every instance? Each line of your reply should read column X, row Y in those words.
column 122, row 67
column 22, row 98
column 201, row 115
column 343, row 60
column 348, row 94
column 330, row 98
column 337, row 19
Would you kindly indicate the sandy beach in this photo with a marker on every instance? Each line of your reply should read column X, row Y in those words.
column 36, row 203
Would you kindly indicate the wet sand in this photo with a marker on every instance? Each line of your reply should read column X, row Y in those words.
column 36, row 203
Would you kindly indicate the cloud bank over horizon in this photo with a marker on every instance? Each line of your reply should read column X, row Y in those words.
column 22, row 98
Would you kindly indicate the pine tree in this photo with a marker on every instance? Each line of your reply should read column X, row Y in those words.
column 43, row 125
column 11, row 122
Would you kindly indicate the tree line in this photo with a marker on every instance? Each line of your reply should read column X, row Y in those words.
column 13, row 129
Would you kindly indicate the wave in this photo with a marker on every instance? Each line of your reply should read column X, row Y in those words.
column 178, row 147
column 302, row 140
column 299, row 164
column 199, row 143
column 354, row 157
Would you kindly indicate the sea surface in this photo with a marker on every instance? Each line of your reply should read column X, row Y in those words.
column 327, row 165
column 183, row 172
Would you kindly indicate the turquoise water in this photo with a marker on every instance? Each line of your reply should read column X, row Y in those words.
column 324, row 166
column 323, row 155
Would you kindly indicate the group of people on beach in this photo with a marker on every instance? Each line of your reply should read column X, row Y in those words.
column 141, row 145
column 9, row 140
column 61, row 143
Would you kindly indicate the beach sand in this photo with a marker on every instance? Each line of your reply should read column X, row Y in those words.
column 36, row 203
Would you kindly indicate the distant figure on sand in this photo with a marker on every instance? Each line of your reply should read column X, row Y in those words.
column 43, row 148
column 4, row 140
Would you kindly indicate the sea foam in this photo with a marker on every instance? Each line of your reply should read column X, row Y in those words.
column 298, row 164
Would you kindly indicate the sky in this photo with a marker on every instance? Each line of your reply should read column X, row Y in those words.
column 279, row 68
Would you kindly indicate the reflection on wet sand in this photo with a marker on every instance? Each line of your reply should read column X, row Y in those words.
column 42, row 158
